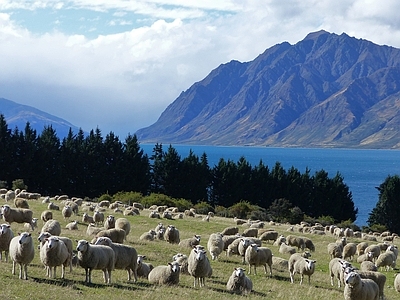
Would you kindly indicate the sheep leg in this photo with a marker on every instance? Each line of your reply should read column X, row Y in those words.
column 301, row 278
column 62, row 271
column 13, row 268
column 135, row 275
column 291, row 277
column 249, row 270
column 87, row 275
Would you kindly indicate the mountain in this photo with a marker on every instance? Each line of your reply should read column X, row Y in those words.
column 17, row 115
column 327, row 90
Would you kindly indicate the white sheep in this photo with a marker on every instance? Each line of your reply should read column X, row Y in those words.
column 92, row 229
column 171, row 235
column 115, row 234
column 365, row 257
column 386, row 259
column 98, row 217
column 336, row 269
column 53, row 206
column 215, row 245
column 239, row 283
column 258, row 256
column 368, row 266
column 357, row 288
column 21, row 203
column 182, row 260
column 361, row 248
column 46, row 215
column 335, row 250
column 301, row 265
column 233, row 247
column 250, row 232
column 190, row 242
column 109, row 222
column 67, row 241
column 72, row 225
column 18, row 215
column 199, row 266
column 143, row 269
column 54, row 253
column 267, row 236
column 285, row 249
column 96, row 257
column 123, row 223
column 308, row 244
column 125, row 256
column 397, row 282
column 349, row 250
column 295, row 241
column 280, row 263
column 378, row 278
column 22, row 252
column 281, row 239
column 66, row 212
column 6, row 236
column 230, row 230
column 148, row 236
column 87, row 219
column 168, row 274
column 375, row 250
column 228, row 239
column 52, row 226
column 245, row 243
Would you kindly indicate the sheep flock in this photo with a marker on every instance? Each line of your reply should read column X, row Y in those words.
column 111, row 251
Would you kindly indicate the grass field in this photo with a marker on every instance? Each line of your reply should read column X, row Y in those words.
column 38, row 286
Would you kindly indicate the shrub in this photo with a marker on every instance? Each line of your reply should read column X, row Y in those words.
column 241, row 209
column 19, row 184
column 128, row 197
column 106, row 197
column 222, row 211
column 203, row 208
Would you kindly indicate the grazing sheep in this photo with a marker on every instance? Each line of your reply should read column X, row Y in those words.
column 6, row 236
column 67, row 241
column 269, row 236
column 378, row 278
column 52, row 226
column 257, row 225
column 285, row 249
column 280, row 263
column 46, row 215
column 66, row 212
column 281, row 239
column 258, row 256
column 9, row 196
column 386, row 259
column 125, row 256
column 239, row 283
column 357, row 288
column 22, row 252
column 335, row 250
column 308, row 244
column 18, row 215
column 215, row 245
column 109, row 222
column 148, row 236
column 349, row 250
column 143, row 269
column 368, row 266
column 123, row 223
column 54, row 253
column 95, row 257
column 365, row 257
column 361, row 248
column 182, row 260
column 295, row 241
column 92, row 229
column 239, row 221
column 115, row 234
column 171, row 235
column 250, row 232
column 303, row 266
column 98, row 217
column 397, row 283
column 87, row 219
column 168, row 274
column 375, row 250
column 336, row 269
column 233, row 247
column 190, row 242
column 230, row 230
column 72, row 225
column 199, row 266
column 53, row 206
column 167, row 215
column 21, row 203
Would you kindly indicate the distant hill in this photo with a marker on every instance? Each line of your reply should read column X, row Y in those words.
column 17, row 115
column 327, row 90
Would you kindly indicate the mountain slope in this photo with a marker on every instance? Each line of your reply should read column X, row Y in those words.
column 327, row 90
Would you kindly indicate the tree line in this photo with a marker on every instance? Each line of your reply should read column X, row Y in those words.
column 91, row 165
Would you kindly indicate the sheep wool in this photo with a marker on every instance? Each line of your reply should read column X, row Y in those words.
column 143, row 269
column 301, row 265
column 22, row 252
column 397, row 282
column 18, row 215
column 259, row 256
column 239, row 283
column 6, row 236
column 357, row 288
column 54, row 253
column 215, row 245
column 168, row 275
column 52, row 226
column 199, row 266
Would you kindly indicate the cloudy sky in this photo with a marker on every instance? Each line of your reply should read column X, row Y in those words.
column 117, row 64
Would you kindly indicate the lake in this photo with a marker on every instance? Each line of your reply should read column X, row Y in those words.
column 362, row 170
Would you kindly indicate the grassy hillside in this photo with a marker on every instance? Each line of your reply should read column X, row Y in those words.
column 38, row 286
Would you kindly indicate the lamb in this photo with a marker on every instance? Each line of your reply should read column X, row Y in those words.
column 215, row 245
column 168, row 274
column 258, row 256
column 72, row 225
column 349, row 251
column 115, row 234
column 87, row 219
column 357, row 288
column 303, row 266
column 28, row 227
column 250, row 232
column 6, row 236
column 46, row 215
column 239, row 283
column 22, row 252
column 66, row 212
column 52, row 226
column 98, row 217
column 182, row 260
column 109, row 222
column 148, row 236
column 96, row 257
column 53, row 206
column 67, row 241
column 230, row 230
column 190, row 242
column 368, row 266
column 285, row 249
column 199, row 266
column 18, row 215
column 336, row 269
column 269, row 236
column 123, row 223
column 397, row 282
column 54, row 253
column 21, row 203
column 171, row 235
column 143, row 269
column 295, row 241
column 126, row 257
column 335, row 250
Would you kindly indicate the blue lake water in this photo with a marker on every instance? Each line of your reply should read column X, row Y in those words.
column 362, row 170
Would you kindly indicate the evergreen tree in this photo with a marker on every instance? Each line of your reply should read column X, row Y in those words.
column 6, row 162
column 94, row 164
column 171, row 175
column 157, row 170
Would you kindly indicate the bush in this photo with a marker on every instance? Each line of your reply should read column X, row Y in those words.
column 19, row 184
column 3, row 184
column 203, row 208
column 105, row 197
column 222, row 211
column 241, row 209
column 128, row 197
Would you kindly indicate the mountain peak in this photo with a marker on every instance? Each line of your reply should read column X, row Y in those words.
column 316, row 34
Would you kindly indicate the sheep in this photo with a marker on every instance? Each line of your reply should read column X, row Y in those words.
column 233, row 247
column 303, row 266
column 167, row 215
column 154, row 215
column 125, row 256
column 95, row 257
column 28, row 227
column 123, row 223
column 230, row 230
column 66, row 212
column 72, row 225
column 21, row 203
column 378, row 278
column 168, row 274
column 87, row 219
column 269, row 236
column 386, row 259
column 143, row 269
column 98, row 217
column 258, row 256
column 361, row 248
column 239, row 221
column 285, row 249
column 281, row 239
column 246, row 242
column 239, row 283
column 54, row 253
column 52, row 226
column 182, row 260
column 74, row 207
column 53, row 206
column 368, row 266
column 335, row 250
column 22, row 252
column 46, row 215
column 250, row 232
column 375, row 249
column 199, row 266
column 171, row 235
column 115, row 234
column 92, row 229
column 148, row 236
column 365, row 257
column 257, row 225
column 190, row 242
column 336, row 269
column 18, row 215
column 349, row 251
column 9, row 196
column 215, row 245
column 67, row 241
column 109, row 222
column 280, row 263
column 6, row 236
column 295, row 241
column 357, row 288
column 397, row 282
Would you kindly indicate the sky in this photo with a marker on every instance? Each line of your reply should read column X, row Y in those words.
column 117, row 64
